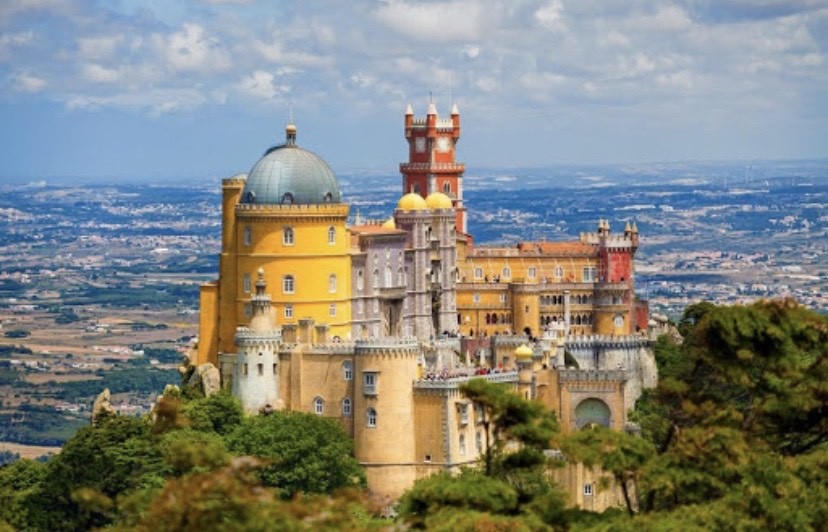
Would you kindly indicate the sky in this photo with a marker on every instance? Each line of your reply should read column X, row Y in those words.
column 166, row 89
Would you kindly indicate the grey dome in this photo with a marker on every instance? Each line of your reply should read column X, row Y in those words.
column 288, row 174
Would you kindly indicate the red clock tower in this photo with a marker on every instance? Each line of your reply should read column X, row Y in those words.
column 431, row 167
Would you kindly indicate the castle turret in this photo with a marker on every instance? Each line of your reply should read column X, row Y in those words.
column 256, row 363
column 431, row 165
column 384, row 411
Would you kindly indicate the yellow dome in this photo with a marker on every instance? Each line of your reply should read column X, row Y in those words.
column 524, row 351
column 412, row 202
column 390, row 224
column 438, row 200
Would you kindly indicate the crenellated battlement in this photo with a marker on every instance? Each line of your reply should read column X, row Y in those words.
column 236, row 181
column 453, row 382
column 592, row 375
column 607, row 341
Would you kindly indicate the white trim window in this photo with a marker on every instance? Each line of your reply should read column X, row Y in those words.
column 331, row 236
column 371, row 418
column 532, row 272
column 347, row 407
column 360, row 280
column 288, row 284
column 348, row 370
column 318, row 406
column 288, row 238
column 369, row 382
column 588, row 489
column 478, row 273
column 289, row 312
column 558, row 272
column 247, row 236
column 332, row 283
column 332, row 310
column 507, row 272
column 246, row 283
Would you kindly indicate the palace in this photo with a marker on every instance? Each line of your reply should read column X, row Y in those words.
column 376, row 324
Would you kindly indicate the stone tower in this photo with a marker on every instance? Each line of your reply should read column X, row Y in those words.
column 431, row 166
column 256, row 362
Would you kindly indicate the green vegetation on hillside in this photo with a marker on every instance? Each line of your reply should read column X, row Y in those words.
column 735, row 436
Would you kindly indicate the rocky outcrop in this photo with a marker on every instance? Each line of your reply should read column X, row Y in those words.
column 205, row 377
column 102, row 407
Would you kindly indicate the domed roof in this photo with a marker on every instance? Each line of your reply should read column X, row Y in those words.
column 389, row 224
column 522, row 352
column 438, row 200
column 288, row 174
column 412, row 202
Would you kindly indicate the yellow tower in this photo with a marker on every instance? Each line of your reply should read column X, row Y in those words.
column 286, row 218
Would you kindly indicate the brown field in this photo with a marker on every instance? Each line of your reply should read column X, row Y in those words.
column 40, row 378
column 27, row 451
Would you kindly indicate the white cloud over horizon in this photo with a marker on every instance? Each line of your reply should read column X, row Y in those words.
column 658, row 72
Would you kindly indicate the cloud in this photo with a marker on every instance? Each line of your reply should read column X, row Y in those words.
column 550, row 15
column 260, row 84
column 24, row 81
column 454, row 21
column 99, row 47
column 100, row 74
column 191, row 49
column 157, row 102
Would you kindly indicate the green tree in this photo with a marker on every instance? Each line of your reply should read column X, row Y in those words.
column 19, row 481
column 738, row 405
column 508, row 418
column 302, row 453
column 220, row 413
column 619, row 454
column 116, row 456
column 233, row 499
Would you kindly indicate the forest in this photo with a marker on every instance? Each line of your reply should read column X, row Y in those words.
column 734, row 437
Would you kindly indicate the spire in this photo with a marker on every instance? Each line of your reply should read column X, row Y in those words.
column 290, row 129
column 455, row 110
column 409, row 110
column 432, row 109
column 260, row 321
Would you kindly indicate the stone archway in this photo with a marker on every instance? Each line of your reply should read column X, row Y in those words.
column 592, row 411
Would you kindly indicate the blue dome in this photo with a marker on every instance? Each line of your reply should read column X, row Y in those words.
column 288, row 174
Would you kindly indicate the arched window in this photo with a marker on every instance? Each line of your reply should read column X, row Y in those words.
column 388, row 279
column 287, row 236
column 346, row 407
column 416, row 188
column 331, row 236
column 376, row 278
column 287, row 199
column 248, row 236
column 592, row 411
column 360, row 280
column 288, row 284
column 318, row 406
column 447, row 187
column 462, row 445
column 371, row 417
column 400, row 277
column 507, row 272
column 328, row 197
column 348, row 370
column 332, row 283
